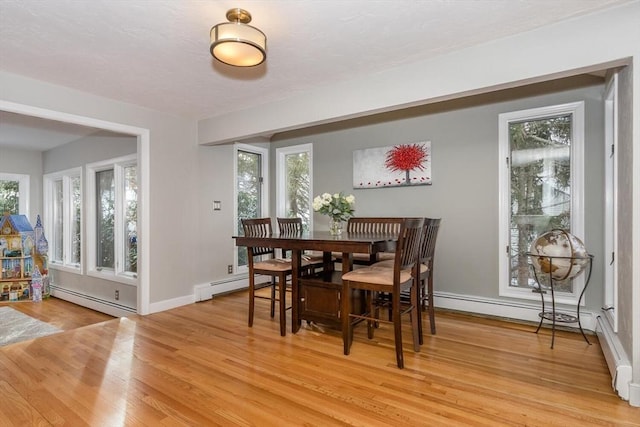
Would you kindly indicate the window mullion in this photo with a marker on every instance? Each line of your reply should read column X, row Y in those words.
column 66, row 212
column 118, row 176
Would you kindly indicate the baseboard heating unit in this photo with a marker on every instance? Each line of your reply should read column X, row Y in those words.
column 617, row 360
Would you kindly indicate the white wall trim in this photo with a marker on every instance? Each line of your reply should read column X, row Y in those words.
column 203, row 292
column 103, row 306
column 634, row 394
column 168, row 304
column 506, row 308
column 616, row 358
column 206, row 291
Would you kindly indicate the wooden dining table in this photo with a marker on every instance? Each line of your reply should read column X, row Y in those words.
column 321, row 291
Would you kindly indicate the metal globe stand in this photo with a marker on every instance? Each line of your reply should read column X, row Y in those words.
column 552, row 315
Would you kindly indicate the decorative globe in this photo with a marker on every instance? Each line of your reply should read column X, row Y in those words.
column 559, row 254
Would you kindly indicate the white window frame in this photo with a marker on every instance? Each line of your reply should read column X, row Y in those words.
column 117, row 274
column 264, row 207
column 281, row 169
column 576, row 109
column 49, row 199
column 23, row 189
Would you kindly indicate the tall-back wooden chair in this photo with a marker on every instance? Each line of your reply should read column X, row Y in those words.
column 276, row 268
column 427, row 253
column 374, row 280
column 371, row 225
column 293, row 227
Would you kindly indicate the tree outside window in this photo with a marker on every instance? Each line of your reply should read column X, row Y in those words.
column 540, row 187
column 9, row 197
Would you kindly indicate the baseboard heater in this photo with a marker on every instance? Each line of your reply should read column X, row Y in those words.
column 91, row 302
column 617, row 361
column 207, row 291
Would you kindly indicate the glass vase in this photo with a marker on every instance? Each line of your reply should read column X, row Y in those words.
column 335, row 227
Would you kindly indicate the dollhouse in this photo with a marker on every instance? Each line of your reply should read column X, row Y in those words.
column 20, row 252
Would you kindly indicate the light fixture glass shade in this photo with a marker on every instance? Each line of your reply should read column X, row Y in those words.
column 238, row 44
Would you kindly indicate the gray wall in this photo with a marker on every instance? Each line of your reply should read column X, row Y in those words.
column 168, row 178
column 464, row 144
column 625, row 257
column 101, row 145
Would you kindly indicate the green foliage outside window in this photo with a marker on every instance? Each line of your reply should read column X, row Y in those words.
column 9, row 197
column 297, row 187
column 540, row 185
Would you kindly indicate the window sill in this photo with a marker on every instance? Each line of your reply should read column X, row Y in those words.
column 112, row 277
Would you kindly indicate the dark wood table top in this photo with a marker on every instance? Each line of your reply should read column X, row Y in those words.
column 324, row 241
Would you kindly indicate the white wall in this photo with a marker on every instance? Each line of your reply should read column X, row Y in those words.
column 169, row 187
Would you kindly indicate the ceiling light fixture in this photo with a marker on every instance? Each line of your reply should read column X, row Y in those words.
column 236, row 43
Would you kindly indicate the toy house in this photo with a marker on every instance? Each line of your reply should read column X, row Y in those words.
column 17, row 244
column 40, row 259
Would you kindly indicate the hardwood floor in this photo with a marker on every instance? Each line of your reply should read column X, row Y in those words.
column 200, row 365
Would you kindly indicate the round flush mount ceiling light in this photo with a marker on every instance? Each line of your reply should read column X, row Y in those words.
column 236, row 43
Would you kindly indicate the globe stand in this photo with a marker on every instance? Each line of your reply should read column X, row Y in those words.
column 552, row 315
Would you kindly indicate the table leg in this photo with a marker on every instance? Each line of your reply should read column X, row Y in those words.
column 296, row 269
column 347, row 262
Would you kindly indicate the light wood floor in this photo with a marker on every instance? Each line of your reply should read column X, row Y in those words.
column 200, row 365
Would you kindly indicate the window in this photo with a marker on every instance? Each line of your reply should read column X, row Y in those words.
column 112, row 190
column 294, row 189
column 63, row 218
column 251, row 191
column 14, row 193
column 541, row 188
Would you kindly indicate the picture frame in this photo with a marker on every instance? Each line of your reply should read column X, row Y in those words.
column 392, row 166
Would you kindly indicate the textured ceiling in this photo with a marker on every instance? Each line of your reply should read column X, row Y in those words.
column 156, row 53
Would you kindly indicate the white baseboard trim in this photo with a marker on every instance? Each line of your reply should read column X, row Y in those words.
column 93, row 303
column 202, row 292
column 168, row 304
column 505, row 308
column 616, row 358
column 206, row 291
column 634, row 394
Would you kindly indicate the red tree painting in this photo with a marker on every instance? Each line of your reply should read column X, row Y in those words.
column 406, row 157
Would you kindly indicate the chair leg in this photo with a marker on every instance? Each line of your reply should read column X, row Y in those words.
column 282, row 303
column 432, row 310
column 419, row 305
column 346, row 321
column 273, row 297
column 252, row 303
column 372, row 312
column 397, row 328
column 416, row 317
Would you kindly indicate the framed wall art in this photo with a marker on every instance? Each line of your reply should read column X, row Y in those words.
column 394, row 166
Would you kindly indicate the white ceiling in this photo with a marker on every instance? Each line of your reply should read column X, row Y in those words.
column 156, row 53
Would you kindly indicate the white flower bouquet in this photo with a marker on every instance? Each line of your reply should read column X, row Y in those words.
column 338, row 207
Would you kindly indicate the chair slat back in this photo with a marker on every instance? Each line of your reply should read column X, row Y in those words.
column 374, row 225
column 290, row 226
column 258, row 227
column 428, row 245
column 409, row 243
